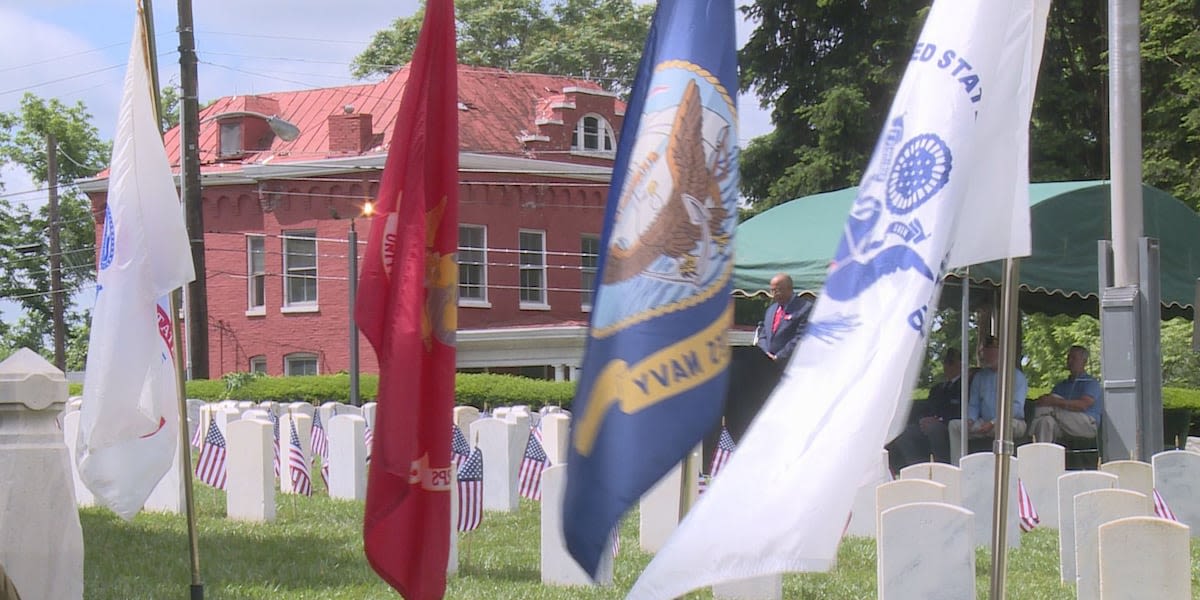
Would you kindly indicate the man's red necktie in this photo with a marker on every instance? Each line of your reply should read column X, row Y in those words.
column 778, row 319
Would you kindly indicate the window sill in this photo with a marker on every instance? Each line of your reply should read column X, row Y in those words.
column 474, row 303
column 586, row 308
column 259, row 311
column 300, row 309
column 534, row 306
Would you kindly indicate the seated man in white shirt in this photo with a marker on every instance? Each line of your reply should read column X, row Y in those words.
column 981, row 403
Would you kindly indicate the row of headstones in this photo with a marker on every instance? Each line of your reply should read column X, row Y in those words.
column 505, row 435
column 250, row 452
column 938, row 500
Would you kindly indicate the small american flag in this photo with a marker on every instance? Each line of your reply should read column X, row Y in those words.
column 470, row 492
column 368, row 439
column 725, row 448
column 459, row 448
column 210, row 467
column 616, row 540
column 1161, row 510
column 275, row 427
column 320, row 446
column 297, row 467
column 1029, row 516
column 532, row 466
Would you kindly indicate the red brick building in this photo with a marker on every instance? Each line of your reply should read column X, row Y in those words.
column 535, row 159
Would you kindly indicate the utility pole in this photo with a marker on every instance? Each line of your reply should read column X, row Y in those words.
column 189, row 188
column 56, row 299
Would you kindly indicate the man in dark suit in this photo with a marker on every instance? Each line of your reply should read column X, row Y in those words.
column 785, row 321
column 927, row 433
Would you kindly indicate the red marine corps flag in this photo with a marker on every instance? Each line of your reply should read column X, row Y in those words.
column 407, row 309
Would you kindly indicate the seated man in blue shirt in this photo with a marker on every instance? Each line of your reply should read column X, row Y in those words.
column 981, row 401
column 1073, row 407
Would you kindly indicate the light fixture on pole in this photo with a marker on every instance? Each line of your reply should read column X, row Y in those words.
column 286, row 130
column 367, row 210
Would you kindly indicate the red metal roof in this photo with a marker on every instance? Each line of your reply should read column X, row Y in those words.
column 496, row 108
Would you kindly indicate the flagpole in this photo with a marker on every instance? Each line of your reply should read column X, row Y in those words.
column 1003, row 447
column 964, row 363
column 185, row 449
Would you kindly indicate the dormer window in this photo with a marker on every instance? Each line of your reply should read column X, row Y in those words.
column 593, row 134
column 231, row 138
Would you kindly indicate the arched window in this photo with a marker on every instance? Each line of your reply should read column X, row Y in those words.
column 300, row 363
column 258, row 364
column 593, row 134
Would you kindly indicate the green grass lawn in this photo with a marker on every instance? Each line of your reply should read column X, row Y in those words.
column 313, row 550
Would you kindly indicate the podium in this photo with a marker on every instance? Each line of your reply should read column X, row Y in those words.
column 752, row 376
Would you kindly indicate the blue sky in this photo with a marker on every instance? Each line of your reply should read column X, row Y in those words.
column 76, row 50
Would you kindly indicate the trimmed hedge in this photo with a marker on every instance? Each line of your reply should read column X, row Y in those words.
column 482, row 390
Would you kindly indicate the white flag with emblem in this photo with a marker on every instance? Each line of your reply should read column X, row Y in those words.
column 953, row 155
column 129, row 419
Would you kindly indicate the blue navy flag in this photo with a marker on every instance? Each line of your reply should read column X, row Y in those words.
column 654, row 372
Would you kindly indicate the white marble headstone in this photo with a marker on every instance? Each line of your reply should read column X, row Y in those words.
column 193, row 415
column 464, row 416
column 556, row 437
column 328, row 410
column 905, row 491
column 1144, row 557
column 763, row 587
column 978, row 496
column 926, row 551
column 249, row 471
column 368, row 413
column 557, row 565
column 1177, row 479
column 658, row 510
column 503, row 446
column 1039, row 466
column 1093, row 509
column 347, row 458
column 945, row 474
column 1135, row 476
column 1070, row 485
column 302, row 407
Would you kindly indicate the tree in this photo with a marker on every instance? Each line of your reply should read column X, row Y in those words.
column 829, row 71
column 24, row 239
column 598, row 39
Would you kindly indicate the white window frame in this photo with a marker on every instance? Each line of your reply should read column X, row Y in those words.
column 465, row 299
column 256, row 280
column 538, row 267
column 296, row 357
column 258, row 361
column 299, row 305
column 605, row 142
column 230, row 139
column 587, row 278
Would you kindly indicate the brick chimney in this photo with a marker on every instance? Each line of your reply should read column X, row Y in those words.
column 349, row 132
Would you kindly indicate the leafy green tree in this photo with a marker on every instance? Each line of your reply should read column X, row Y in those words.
column 599, row 39
column 829, row 71
column 24, row 230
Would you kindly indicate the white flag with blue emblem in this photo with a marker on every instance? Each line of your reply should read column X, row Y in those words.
column 954, row 150
column 129, row 419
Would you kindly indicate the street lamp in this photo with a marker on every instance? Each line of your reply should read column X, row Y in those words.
column 367, row 210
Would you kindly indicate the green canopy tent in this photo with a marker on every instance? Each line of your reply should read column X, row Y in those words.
column 1060, row 277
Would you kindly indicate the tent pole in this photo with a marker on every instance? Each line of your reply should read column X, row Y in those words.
column 1003, row 446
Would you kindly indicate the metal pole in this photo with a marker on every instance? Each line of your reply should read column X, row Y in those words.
column 185, row 450
column 353, row 275
column 1125, row 135
column 189, row 184
column 1003, row 446
column 56, row 291
column 964, row 381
